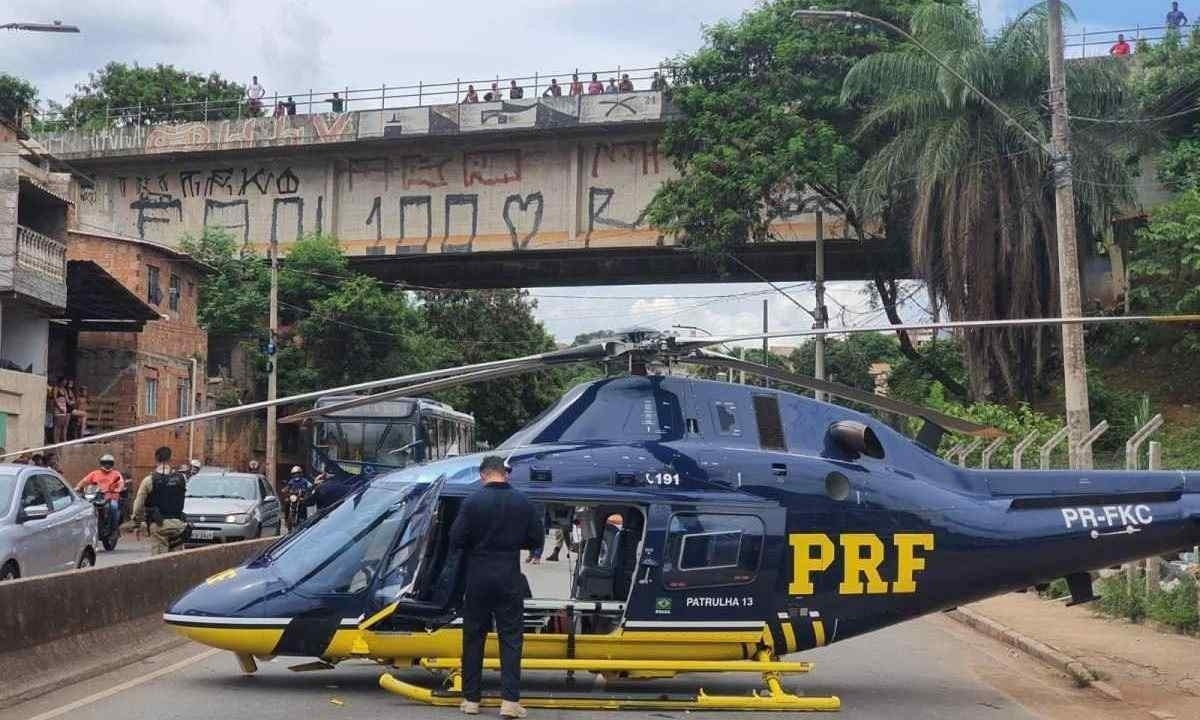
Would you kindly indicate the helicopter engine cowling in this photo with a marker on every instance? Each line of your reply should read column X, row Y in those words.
column 856, row 438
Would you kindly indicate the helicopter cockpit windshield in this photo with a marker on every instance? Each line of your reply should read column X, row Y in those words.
column 343, row 550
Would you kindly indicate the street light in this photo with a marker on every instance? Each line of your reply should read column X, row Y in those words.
column 1058, row 149
column 54, row 27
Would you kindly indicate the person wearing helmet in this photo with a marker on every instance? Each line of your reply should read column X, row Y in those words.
column 300, row 487
column 253, row 467
column 193, row 467
column 110, row 482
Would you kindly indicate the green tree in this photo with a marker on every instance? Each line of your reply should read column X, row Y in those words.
column 314, row 267
column 160, row 93
column 233, row 294
column 763, row 131
column 16, row 96
column 849, row 361
column 1164, row 272
column 358, row 331
column 980, row 193
column 479, row 326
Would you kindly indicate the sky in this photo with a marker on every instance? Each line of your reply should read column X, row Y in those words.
column 297, row 45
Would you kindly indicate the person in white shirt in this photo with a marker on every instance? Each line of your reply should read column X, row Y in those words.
column 254, row 95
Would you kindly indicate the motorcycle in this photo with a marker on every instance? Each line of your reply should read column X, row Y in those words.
column 107, row 529
column 294, row 503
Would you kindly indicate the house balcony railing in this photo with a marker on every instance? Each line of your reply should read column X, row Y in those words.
column 41, row 254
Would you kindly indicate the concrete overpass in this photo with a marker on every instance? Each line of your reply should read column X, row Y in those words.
column 546, row 191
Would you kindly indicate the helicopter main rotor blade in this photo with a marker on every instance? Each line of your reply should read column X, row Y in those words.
column 424, row 387
column 687, row 343
column 583, row 353
column 879, row 402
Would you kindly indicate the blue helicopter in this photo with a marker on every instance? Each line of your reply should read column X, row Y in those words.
column 718, row 528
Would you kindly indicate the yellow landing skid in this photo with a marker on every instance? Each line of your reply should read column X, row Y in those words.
column 772, row 698
column 631, row 666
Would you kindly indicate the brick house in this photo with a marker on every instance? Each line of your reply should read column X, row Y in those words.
column 140, row 377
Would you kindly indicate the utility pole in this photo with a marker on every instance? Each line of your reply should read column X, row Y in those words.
column 1074, row 369
column 822, row 314
column 765, row 357
column 272, row 363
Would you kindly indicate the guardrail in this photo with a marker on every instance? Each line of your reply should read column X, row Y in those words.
column 1105, row 39
column 41, row 254
column 308, row 102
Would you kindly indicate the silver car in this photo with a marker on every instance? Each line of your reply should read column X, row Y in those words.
column 44, row 526
column 226, row 506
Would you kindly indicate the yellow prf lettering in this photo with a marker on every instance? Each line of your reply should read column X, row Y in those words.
column 857, row 566
column 803, row 562
column 907, row 562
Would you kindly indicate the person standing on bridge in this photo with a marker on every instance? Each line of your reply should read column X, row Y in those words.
column 1120, row 47
column 576, row 85
column 1176, row 19
column 492, row 527
column 159, row 503
column 254, row 96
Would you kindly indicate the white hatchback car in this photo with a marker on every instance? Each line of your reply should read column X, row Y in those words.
column 44, row 526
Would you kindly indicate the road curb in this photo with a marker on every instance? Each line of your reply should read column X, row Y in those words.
column 1083, row 675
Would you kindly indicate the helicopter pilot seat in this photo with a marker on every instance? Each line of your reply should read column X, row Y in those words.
column 603, row 573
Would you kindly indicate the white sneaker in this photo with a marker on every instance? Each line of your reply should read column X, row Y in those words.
column 469, row 708
column 510, row 709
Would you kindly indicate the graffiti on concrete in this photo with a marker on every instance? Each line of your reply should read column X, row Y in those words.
column 491, row 167
column 639, row 152
column 599, row 199
column 231, row 215
column 407, row 204
column 296, row 203
column 423, row 171
column 248, row 133
column 149, row 205
column 466, row 200
column 523, row 204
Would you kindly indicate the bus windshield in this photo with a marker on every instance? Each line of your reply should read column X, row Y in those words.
column 374, row 441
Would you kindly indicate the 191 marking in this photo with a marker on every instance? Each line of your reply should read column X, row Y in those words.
column 663, row 479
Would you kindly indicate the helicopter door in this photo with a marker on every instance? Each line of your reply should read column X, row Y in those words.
column 408, row 585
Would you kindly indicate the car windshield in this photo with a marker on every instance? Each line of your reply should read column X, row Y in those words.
column 222, row 486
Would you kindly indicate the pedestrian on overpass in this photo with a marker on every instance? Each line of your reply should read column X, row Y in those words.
column 159, row 503
column 492, row 527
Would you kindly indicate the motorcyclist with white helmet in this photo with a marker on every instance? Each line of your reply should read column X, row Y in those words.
column 300, row 488
column 110, row 482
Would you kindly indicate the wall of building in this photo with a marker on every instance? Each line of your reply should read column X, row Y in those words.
column 24, row 335
column 145, row 372
column 23, row 401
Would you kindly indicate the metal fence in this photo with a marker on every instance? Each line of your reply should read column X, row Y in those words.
column 1093, row 43
column 1052, row 450
column 368, row 98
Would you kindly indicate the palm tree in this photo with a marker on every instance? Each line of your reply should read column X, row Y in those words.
column 978, row 193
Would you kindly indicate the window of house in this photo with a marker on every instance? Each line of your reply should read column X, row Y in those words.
column 153, row 292
column 770, row 427
column 708, row 550
column 182, row 398
column 176, row 288
column 152, row 397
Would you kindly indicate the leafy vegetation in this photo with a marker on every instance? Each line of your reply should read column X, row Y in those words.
column 1175, row 608
column 126, row 93
column 16, row 96
column 978, row 191
column 339, row 327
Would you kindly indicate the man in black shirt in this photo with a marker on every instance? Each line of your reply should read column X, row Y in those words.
column 492, row 527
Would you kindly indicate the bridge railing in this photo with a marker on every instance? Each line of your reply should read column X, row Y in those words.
column 367, row 98
column 1092, row 43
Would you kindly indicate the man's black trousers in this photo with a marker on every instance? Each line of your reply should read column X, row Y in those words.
column 480, row 608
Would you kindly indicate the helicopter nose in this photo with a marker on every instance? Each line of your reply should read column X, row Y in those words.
column 225, row 611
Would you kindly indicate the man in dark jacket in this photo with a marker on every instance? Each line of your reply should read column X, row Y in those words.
column 492, row 527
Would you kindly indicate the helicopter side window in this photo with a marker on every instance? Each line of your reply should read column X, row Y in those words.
column 727, row 419
column 770, row 427
column 707, row 550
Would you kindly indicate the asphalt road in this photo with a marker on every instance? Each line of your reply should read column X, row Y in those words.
column 929, row 668
column 127, row 550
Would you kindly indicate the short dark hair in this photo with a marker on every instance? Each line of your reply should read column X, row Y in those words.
column 492, row 463
column 163, row 454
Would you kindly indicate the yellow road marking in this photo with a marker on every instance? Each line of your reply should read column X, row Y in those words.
column 116, row 689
